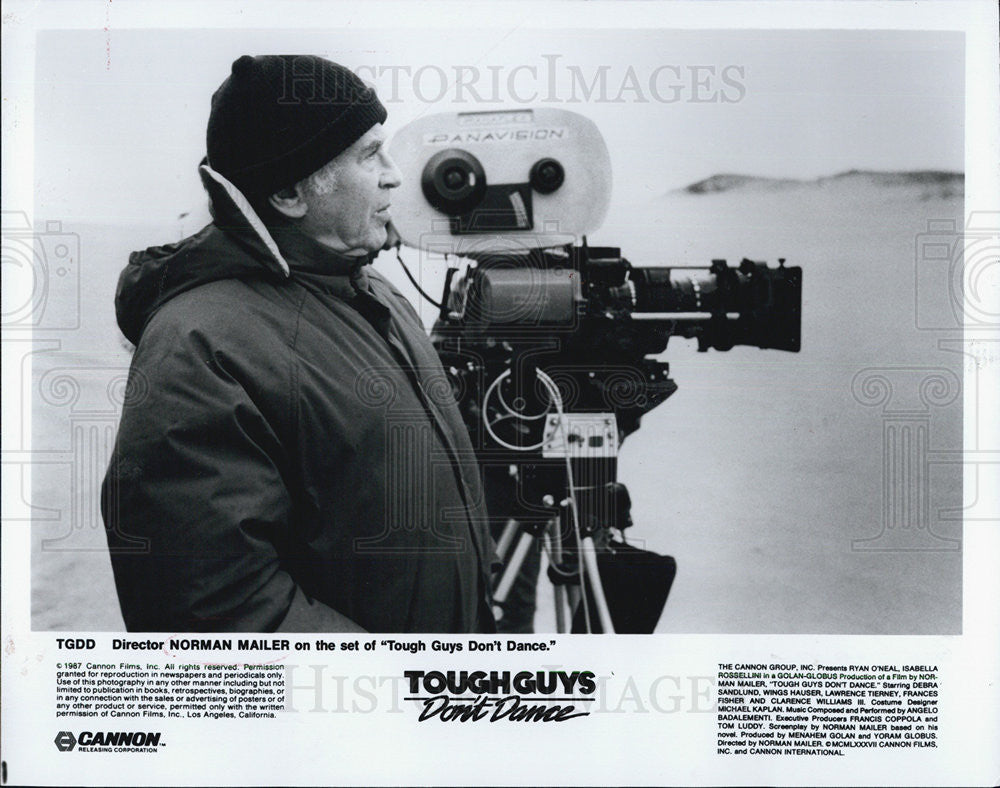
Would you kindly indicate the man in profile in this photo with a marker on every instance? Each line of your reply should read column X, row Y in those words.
column 290, row 455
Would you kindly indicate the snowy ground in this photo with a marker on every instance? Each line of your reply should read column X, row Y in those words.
column 763, row 475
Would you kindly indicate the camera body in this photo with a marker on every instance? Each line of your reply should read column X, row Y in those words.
column 587, row 319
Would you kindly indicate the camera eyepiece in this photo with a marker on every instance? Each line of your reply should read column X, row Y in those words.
column 547, row 175
column 453, row 181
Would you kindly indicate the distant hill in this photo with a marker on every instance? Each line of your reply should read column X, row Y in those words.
column 725, row 182
column 938, row 183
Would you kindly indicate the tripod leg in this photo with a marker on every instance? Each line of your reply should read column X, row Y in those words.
column 553, row 546
column 504, row 542
column 513, row 567
column 590, row 565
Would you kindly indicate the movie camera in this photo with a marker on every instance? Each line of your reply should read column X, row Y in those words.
column 550, row 343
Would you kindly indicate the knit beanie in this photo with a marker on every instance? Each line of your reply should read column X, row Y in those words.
column 279, row 118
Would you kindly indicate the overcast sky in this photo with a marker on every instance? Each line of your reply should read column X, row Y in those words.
column 120, row 117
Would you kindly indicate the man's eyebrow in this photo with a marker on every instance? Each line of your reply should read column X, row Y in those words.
column 371, row 147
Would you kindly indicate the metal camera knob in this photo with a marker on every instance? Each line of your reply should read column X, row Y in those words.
column 547, row 175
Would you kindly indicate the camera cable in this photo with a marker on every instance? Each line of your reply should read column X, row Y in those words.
column 413, row 281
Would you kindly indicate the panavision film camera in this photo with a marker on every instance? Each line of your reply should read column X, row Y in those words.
column 550, row 344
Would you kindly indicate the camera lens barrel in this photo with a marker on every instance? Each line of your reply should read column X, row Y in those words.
column 723, row 306
column 657, row 290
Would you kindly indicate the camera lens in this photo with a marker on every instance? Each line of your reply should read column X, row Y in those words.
column 547, row 175
column 453, row 181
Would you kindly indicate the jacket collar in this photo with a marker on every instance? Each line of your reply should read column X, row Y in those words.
column 283, row 249
column 325, row 267
column 233, row 214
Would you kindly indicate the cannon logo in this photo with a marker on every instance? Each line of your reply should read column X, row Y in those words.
column 109, row 741
column 65, row 741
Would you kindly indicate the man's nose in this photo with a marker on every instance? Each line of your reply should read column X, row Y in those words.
column 391, row 176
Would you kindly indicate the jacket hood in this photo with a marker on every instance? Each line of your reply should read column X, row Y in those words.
column 235, row 245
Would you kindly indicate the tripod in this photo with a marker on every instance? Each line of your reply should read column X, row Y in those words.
column 567, row 594
column 625, row 585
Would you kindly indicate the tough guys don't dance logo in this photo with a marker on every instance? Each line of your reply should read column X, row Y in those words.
column 495, row 696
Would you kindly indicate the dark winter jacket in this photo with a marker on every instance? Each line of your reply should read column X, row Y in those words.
column 290, row 451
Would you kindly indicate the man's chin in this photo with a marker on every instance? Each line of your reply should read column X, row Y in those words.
column 378, row 241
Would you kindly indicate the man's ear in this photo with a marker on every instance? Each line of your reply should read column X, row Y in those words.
column 289, row 202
